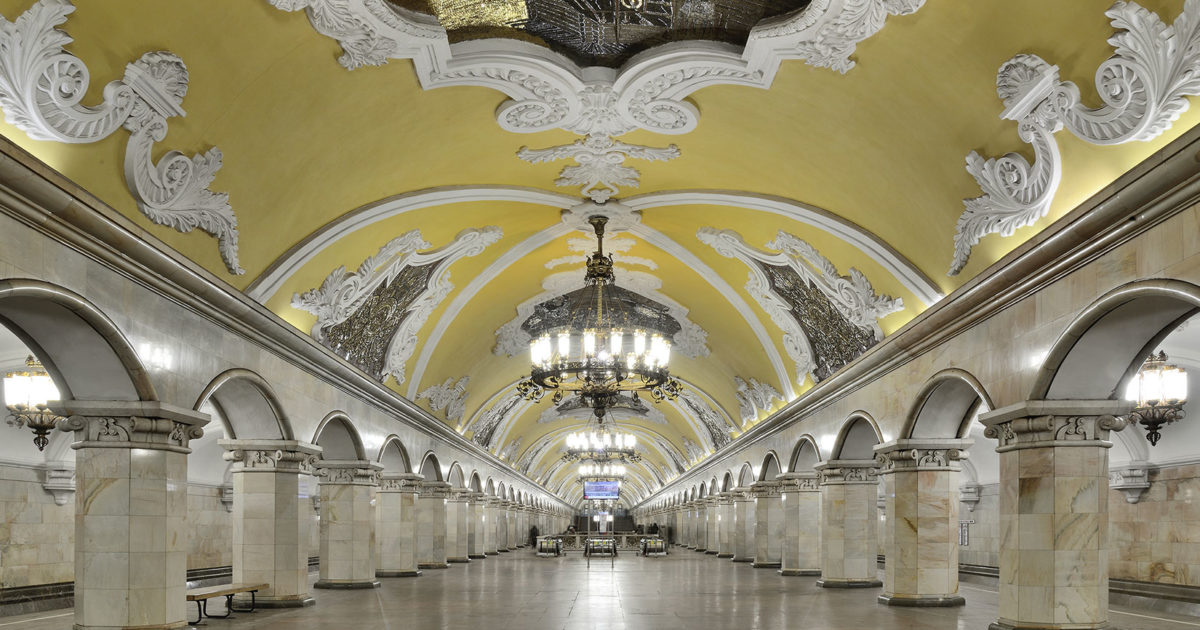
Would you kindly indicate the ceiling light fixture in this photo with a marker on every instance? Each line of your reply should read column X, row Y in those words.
column 26, row 394
column 1160, row 391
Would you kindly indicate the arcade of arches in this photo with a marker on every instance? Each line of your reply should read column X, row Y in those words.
column 278, row 257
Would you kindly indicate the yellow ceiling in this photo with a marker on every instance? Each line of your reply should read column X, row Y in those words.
column 306, row 141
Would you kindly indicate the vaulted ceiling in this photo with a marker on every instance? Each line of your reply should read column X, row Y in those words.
column 792, row 201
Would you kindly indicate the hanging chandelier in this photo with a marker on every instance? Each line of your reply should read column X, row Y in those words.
column 602, row 444
column 1160, row 391
column 599, row 341
column 594, row 471
column 26, row 394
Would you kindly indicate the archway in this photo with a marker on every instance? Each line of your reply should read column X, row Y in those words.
column 805, row 455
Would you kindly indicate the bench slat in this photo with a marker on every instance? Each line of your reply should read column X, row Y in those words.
column 206, row 592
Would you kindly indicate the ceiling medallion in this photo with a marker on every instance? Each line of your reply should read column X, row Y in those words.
column 599, row 341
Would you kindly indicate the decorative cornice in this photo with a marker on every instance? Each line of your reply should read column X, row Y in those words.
column 140, row 424
column 1144, row 87
column 348, row 472
column 843, row 472
column 41, row 86
column 1056, row 423
column 800, row 482
column 921, row 454
column 274, row 456
column 343, row 293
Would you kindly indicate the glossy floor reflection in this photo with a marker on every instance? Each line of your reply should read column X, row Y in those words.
column 684, row 590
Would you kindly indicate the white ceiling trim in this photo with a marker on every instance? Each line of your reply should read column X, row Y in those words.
column 866, row 242
column 272, row 280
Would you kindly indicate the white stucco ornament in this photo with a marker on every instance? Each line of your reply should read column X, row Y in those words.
column 41, row 89
column 1144, row 87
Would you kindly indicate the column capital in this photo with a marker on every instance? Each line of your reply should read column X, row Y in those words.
column 129, row 424
column 839, row 472
column 766, row 488
column 808, row 481
column 1055, row 423
column 917, row 454
column 271, row 455
column 348, row 472
column 399, row 482
column 742, row 493
column 431, row 489
column 725, row 498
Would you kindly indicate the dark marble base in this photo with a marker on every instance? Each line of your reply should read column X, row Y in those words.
column 493, row 553
column 502, row 551
column 996, row 625
column 477, row 556
column 346, row 585
column 397, row 573
column 849, row 583
column 433, row 565
column 724, row 555
column 699, row 549
column 260, row 602
column 799, row 572
column 743, row 559
column 767, row 565
column 923, row 602
column 712, row 552
column 458, row 560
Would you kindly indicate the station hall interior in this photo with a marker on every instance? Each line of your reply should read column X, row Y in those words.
column 595, row 314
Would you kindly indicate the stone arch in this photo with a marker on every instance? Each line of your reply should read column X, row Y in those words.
column 476, row 484
column 727, row 482
column 703, row 490
column 501, row 491
column 490, row 487
column 84, row 352
column 246, row 406
column 431, row 468
column 338, row 439
column 857, row 438
column 394, row 456
column 713, row 488
column 1110, row 338
column 805, row 455
column 456, row 476
column 745, row 475
column 512, row 494
column 770, row 467
column 946, row 405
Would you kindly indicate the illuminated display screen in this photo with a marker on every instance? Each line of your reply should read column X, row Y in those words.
column 601, row 490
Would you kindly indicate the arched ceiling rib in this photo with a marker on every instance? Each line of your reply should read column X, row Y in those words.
column 324, row 167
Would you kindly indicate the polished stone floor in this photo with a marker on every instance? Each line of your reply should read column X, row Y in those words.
column 684, row 590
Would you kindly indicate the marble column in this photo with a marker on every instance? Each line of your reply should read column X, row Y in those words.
column 130, row 511
column 743, row 525
column 476, row 526
column 920, row 480
column 457, row 526
column 502, row 526
column 768, row 524
column 396, row 525
column 348, row 489
column 802, row 524
column 712, row 542
column 701, row 525
column 431, row 525
column 849, row 517
column 492, row 517
column 271, row 516
column 1054, row 511
column 725, row 525
column 522, row 526
column 511, row 539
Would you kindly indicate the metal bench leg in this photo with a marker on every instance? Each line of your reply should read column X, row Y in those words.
column 252, row 603
column 199, row 612
column 228, row 608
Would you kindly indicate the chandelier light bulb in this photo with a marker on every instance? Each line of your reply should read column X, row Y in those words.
column 589, row 343
column 564, row 345
column 615, row 342
column 639, row 343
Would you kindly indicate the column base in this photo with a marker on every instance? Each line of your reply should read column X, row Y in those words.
column 331, row 584
column 843, row 583
column 724, row 555
column 743, row 559
column 293, row 601
column 493, row 553
column 767, row 565
column 699, row 549
column 712, row 552
column 397, row 573
column 938, row 601
column 477, row 556
column 168, row 626
column 800, row 572
column 432, row 565
column 458, row 560
column 501, row 551
column 1000, row 625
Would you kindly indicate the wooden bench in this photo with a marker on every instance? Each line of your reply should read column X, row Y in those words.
column 202, row 594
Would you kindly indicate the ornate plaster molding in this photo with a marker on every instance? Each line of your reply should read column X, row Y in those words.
column 450, row 396
column 1132, row 480
column 852, row 296
column 582, row 247
column 753, row 397
column 848, row 472
column 691, row 341
column 59, row 481
column 343, row 293
column 1144, row 87
column 1057, row 423
column 970, row 495
column 227, row 497
column 547, row 91
column 348, row 472
column 273, row 456
column 599, row 164
column 915, row 455
column 41, row 86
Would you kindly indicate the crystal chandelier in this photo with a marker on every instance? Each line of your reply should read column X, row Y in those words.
column 26, row 394
column 602, row 444
column 1160, row 391
column 596, row 471
column 599, row 341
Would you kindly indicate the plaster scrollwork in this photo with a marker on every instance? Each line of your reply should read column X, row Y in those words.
column 599, row 164
column 582, row 247
column 753, row 397
column 41, row 89
column 853, row 296
column 1144, row 87
column 343, row 293
column 836, row 39
column 450, row 396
